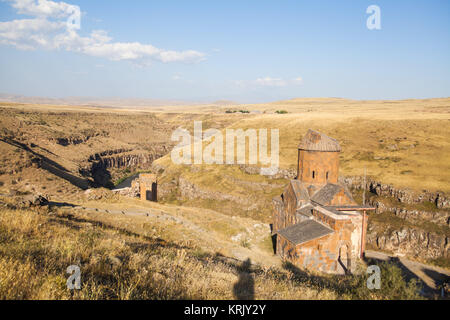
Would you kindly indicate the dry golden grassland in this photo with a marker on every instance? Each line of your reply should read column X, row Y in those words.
column 404, row 143
column 119, row 262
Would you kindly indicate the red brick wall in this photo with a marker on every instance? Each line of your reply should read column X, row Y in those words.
column 318, row 254
column 320, row 163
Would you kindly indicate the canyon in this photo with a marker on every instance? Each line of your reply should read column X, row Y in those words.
column 93, row 160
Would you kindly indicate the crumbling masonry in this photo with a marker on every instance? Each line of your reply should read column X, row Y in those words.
column 148, row 187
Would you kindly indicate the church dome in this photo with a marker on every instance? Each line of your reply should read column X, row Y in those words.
column 316, row 141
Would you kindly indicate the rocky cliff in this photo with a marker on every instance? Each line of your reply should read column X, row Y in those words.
column 402, row 195
column 409, row 241
column 103, row 166
column 415, row 224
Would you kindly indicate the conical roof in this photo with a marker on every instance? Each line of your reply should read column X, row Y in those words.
column 316, row 141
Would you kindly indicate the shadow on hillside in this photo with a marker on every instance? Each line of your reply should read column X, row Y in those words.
column 244, row 288
column 408, row 275
column 102, row 177
column 60, row 204
column 334, row 283
column 438, row 278
column 274, row 239
column 50, row 165
column 70, row 221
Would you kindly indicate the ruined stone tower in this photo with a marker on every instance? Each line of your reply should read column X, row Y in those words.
column 148, row 187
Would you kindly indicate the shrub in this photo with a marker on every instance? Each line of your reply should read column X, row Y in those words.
column 245, row 243
column 393, row 285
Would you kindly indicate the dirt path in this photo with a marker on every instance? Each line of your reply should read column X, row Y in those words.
column 186, row 218
column 431, row 277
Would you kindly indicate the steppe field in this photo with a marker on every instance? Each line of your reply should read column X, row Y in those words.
column 209, row 219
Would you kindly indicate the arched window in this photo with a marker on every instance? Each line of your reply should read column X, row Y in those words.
column 327, row 175
column 314, row 175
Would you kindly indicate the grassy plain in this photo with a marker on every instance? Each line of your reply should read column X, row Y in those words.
column 405, row 143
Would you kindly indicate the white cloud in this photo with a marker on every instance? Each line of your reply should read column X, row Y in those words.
column 48, row 30
column 269, row 82
column 28, row 34
column 176, row 77
column 43, row 8
column 298, row 80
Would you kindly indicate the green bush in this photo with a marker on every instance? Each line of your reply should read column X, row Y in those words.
column 234, row 111
column 393, row 285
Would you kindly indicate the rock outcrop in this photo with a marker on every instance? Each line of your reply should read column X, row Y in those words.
column 437, row 217
column 412, row 242
column 441, row 200
column 66, row 141
column 34, row 200
column 412, row 239
column 402, row 195
column 131, row 192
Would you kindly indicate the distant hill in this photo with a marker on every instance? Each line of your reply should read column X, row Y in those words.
column 224, row 103
column 97, row 102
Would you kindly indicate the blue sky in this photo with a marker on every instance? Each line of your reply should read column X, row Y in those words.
column 247, row 51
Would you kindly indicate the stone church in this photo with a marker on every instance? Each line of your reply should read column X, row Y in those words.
column 316, row 222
